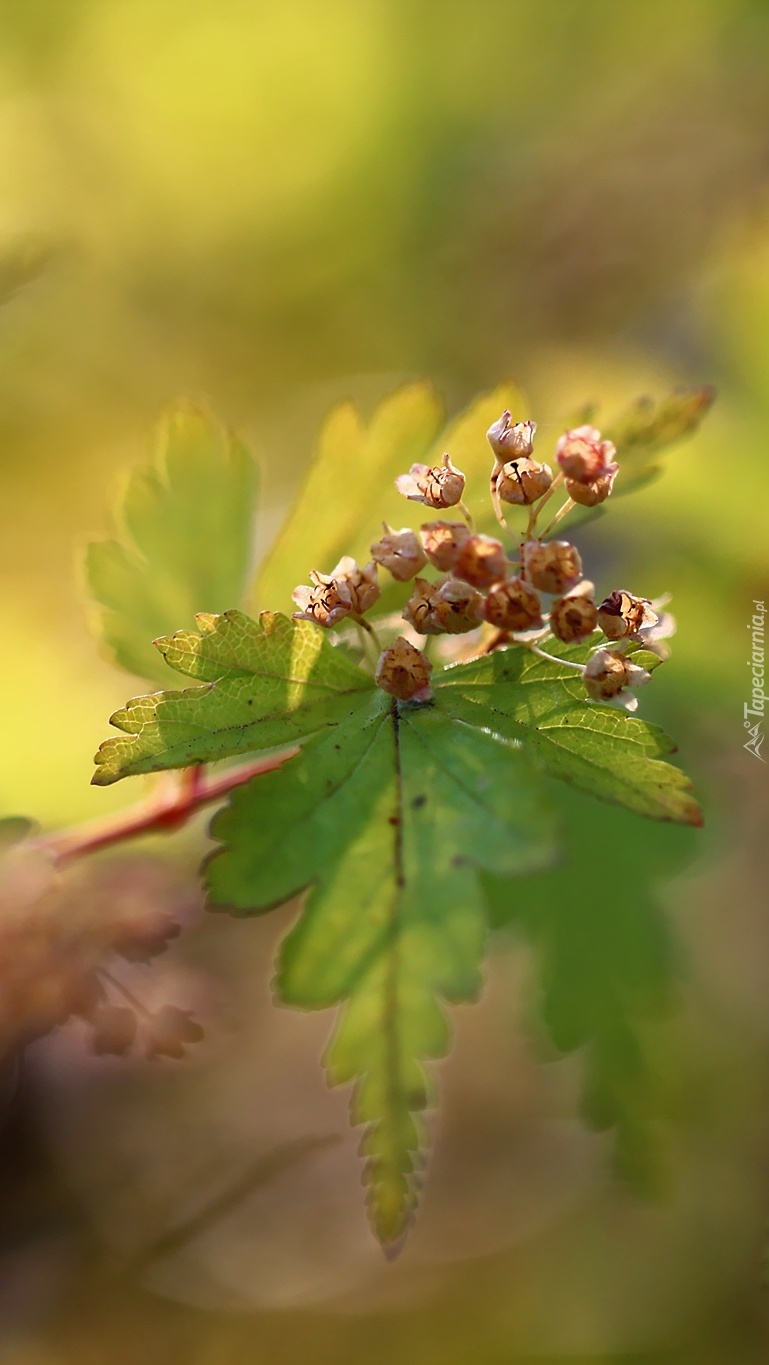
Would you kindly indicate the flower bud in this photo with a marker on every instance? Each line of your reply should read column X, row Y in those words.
column 608, row 676
column 573, row 617
column 442, row 541
column 435, row 485
column 169, row 1030
column 481, row 561
column 459, row 607
column 404, row 672
column 621, row 615
column 347, row 591
column 419, row 611
column 590, row 494
column 510, row 440
column 400, row 552
column 584, row 456
column 513, row 605
column 520, row 481
column 552, row 566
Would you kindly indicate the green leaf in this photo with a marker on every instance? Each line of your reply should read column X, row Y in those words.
column 356, row 465
column 608, row 967
column 603, row 751
column 265, row 684
column 386, row 820
column 184, row 542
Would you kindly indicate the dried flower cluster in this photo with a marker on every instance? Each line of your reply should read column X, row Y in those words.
column 482, row 586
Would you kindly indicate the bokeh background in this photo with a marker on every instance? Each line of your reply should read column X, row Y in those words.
column 278, row 205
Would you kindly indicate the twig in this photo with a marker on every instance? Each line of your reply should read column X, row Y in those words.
column 194, row 792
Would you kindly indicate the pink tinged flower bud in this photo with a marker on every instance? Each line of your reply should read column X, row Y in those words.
column 584, row 456
column 552, row 566
column 347, row 591
column 510, row 440
column 481, row 561
column 621, row 615
column 436, row 486
column 400, row 552
column 590, row 494
column 574, row 616
column 520, row 481
column 442, row 541
column 404, row 672
column 513, row 605
column 609, row 675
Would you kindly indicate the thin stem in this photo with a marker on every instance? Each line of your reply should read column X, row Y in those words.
column 158, row 817
column 567, row 506
column 551, row 657
column 118, row 986
column 467, row 514
column 537, row 508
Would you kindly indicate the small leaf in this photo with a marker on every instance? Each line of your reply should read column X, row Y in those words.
column 607, row 964
column 356, row 460
column 185, row 539
column 266, row 684
column 387, row 819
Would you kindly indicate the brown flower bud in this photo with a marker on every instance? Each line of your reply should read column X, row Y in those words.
column 552, row 566
column 520, row 481
column 169, row 1030
column 584, row 456
column 513, row 605
column 437, row 485
column 459, row 607
column 609, row 674
column 573, row 617
column 347, row 591
column 621, row 615
column 400, row 552
column 590, row 494
column 510, row 440
column 442, row 541
column 404, row 672
column 420, row 610
column 481, row 561
column 114, row 1029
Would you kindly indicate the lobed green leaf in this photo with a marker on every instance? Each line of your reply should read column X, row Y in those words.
column 184, row 541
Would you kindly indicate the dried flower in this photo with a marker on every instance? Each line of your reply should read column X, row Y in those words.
column 574, row 616
column 169, row 1030
column 621, row 615
column 459, row 607
column 420, row 608
column 513, row 605
column 437, row 485
column 609, row 675
column 442, row 541
column 347, row 591
column 552, row 566
column 447, row 608
column 404, row 672
column 481, row 561
column 590, row 494
column 511, row 440
column 400, row 552
column 520, row 481
column 584, row 456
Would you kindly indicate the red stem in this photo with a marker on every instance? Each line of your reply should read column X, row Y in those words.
column 193, row 793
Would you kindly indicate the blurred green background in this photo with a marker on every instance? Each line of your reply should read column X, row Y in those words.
column 279, row 205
